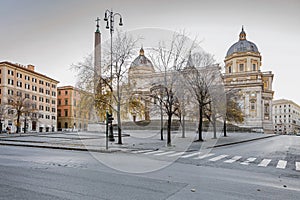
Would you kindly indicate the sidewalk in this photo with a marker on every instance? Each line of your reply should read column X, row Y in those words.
column 132, row 140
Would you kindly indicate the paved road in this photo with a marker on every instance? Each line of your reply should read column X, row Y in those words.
column 33, row 173
column 276, row 155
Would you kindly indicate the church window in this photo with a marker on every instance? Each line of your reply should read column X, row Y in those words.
column 252, row 105
column 254, row 67
column 241, row 66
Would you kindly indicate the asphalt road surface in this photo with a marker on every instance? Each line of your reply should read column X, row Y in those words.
column 263, row 169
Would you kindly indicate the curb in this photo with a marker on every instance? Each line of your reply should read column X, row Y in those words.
column 62, row 148
column 243, row 141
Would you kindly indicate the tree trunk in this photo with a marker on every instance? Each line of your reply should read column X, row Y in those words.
column 225, row 128
column 169, row 130
column 183, row 126
column 119, row 114
column 18, row 122
column 214, row 122
column 161, row 123
column 200, row 123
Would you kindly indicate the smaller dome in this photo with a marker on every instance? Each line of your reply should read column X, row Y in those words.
column 142, row 61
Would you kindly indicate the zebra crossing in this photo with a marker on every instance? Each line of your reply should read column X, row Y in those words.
column 213, row 157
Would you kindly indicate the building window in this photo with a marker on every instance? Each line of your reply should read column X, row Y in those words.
column 19, row 83
column 58, row 112
column 10, row 82
column 27, row 86
column 66, row 102
column 252, row 106
column 59, row 102
column 34, row 88
column 19, row 75
column 241, row 67
column 66, row 112
column 254, row 67
column 66, row 92
column 10, row 72
column 10, row 92
column 27, row 96
column 53, row 102
column 229, row 70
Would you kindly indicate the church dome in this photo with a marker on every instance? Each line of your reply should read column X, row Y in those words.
column 242, row 45
column 141, row 60
column 142, row 63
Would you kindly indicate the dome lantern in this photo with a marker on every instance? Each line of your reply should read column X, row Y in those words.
column 242, row 46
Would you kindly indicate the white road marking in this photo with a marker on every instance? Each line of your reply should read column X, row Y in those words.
column 281, row 164
column 165, row 153
column 153, row 152
column 235, row 158
column 190, row 155
column 248, row 161
column 142, row 151
column 264, row 163
column 218, row 158
column 176, row 154
column 204, row 156
column 298, row 166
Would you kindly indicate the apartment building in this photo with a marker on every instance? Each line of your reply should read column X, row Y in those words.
column 72, row 112
column 286, row 116
column 38, row 90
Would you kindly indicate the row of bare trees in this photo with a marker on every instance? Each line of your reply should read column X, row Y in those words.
column 186, row 81
column 16, row 108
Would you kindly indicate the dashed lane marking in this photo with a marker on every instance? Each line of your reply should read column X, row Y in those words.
column 281, row 164
column 164, row 153
column 153, row 152
column 264, row 163
column 232, row 160
column 176, row 154
column 191, row 155
column 204, row 156
column 248, row 161
column 298, row 166
column 218, row 158
column 142, row 151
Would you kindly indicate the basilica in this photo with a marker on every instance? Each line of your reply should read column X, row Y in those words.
column 243, row 75
column 243, row 63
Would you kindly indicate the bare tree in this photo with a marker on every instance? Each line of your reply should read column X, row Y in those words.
column 21, row 106
column 106, row 92
column 216, row 109
column 169, row 59
column 199, row 78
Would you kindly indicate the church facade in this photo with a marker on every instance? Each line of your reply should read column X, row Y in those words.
column 243, row 63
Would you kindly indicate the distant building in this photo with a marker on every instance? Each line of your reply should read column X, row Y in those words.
column 72, row 113
column 24, row 82
column 243, row 73
column 286, row 116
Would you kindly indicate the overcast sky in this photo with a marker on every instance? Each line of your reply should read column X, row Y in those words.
column 54, row 34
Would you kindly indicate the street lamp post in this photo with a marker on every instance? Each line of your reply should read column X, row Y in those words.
column 109, row 17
